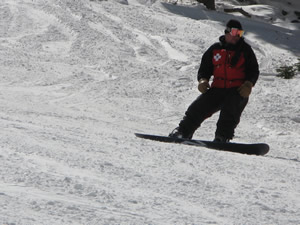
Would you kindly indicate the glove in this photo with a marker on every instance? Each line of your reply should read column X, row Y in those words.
column 203, row 85
column 245, row 89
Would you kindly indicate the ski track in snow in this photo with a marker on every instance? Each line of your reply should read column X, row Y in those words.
column 78, row 78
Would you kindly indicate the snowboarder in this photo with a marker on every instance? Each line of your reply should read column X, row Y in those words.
column 235, row 71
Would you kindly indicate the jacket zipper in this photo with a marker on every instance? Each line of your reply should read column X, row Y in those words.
column 225, row 71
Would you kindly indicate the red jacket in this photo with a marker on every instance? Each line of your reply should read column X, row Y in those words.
column 230, row 65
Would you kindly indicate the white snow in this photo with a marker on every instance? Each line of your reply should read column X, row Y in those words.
column 78, row 78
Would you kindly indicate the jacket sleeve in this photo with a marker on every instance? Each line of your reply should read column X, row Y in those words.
column 251, row 66
column 206, row 66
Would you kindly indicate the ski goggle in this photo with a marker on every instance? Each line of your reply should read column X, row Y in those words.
column 234, row 32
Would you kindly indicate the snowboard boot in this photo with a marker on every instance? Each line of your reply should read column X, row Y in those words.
column 221, row 139
column 177, row 133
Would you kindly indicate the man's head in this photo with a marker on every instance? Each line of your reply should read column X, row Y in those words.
column 233, row 32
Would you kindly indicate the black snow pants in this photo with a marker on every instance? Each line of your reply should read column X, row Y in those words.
column 227, row 101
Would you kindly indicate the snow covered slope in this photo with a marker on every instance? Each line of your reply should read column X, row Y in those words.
column 79, row 77
column 283, row 13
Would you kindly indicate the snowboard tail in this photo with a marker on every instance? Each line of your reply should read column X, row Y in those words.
column 250, row 149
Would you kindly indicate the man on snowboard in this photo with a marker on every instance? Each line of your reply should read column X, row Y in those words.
column 234, row 67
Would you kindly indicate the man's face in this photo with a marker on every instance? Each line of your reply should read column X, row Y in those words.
column 233, row 35
column 231, row 39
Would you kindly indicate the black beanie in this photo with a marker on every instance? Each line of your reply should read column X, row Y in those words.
column 234, row 24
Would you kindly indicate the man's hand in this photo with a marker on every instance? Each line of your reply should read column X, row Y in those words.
column 203, row 85
column 245, row 89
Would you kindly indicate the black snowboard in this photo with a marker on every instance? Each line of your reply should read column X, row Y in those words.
column 250, row 149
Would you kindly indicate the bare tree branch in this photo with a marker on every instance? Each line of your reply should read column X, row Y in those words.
column 240, row 10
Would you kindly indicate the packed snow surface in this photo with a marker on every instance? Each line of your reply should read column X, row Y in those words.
column 78, row 78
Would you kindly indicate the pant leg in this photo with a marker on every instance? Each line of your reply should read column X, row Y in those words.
column 202, row 108
column 230, row 113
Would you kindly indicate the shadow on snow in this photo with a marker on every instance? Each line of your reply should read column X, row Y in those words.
column 278, row 36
